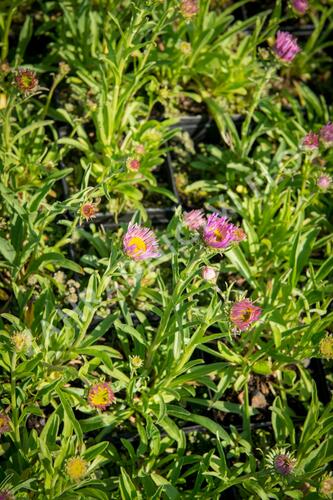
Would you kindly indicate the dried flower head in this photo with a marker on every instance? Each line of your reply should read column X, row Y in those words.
column 189, row 8
column 209, row 274
column 239, row 234
column 76, row 468
column 326, row 486
column 101, row 396
column 300, row 6
column 88, row 210
column 244, row 313
column 136, row 362
column 218, row 232
column 4, row 423
column 194, row 219
column 140, row 243
column 6, row 495
column 281, row 462
column 22, row 341
column 311, row 141
column 326, row 347
column 26, row 81
column 140, row 149
column 286, row 46
column 185, row 48
column 324, row 182
column 133, row 164
column 326, row 134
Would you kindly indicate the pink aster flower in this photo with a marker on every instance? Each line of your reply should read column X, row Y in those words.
column 101, row 396
column 311, row 141
column 286, row 46
column 140, row 243
column 300, row 6
column 326, row 134
column 324, row 182
column 218, row 232
column 244, row 313
column 189, row 8
column 284, row 464
column 194, row 219
column 4, row 423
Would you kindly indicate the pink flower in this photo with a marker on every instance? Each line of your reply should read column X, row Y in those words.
column 244, row 313
column 194, row 219
column 140, row 243
column 324, row 182
column 300, row 6
column 311, row 141
column 326, row 134
column 101, row 396
column 218, row 232
column 284, row 464
column 140, row 149
column 286, row 46
column 189, row 8
column 209, row 274
column 133, row 164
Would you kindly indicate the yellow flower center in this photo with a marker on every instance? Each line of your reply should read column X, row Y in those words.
column 218, row 235
column 137, row 244
column 101, row 397
column 76, row 468
column 246, row 315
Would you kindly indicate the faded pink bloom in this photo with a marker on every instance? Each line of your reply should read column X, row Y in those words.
column 4, row 423
column 88, row 210
column 284, row 464
column 218, row 232
column 244, row 313
column 194, row 219
column 101, row 396
column 140, row 243
column 26, row 80
column 326, row 134
column 324, row 182
column 6, row 495
column 209, row 274
column 189, row 8
column 133, row 164
column 311, row 141
column 140, row 149
column 300, row 6
column 286, row 46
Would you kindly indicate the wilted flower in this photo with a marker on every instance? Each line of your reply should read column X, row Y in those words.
column 286, row 46
column 239, row 234
column 133, row 164
column 4, row 423
column 21, row 341
column 326, row 487
column 88, row 210
column 26, row 81
column 6, row 495
column 324, row 182
column 101, row 396
column 194, row 219
column 281, row 462
column 136, row 362
column 209, row 274
column 189, row 8
column 76, row 468
column 244, row 313
column 140, row 149
column 218, row 232
column 311, row 141
column 326, row 347
column 300, row 6
column 185, row 47
column 140, row 243
column 326, row 134
column 64, row 68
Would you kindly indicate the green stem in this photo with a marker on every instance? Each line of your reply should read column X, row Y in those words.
column 14, row 403
column 5, row 42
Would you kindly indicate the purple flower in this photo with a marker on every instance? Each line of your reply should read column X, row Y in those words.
column 311, row 141
column 324, row 182
column 326, row 134
column 286, row 46
column 244, row 313
column 284, row 464
column 218, row 232
column 140, row 243
column 194, row 219
column 189, row 8
column 300, row 6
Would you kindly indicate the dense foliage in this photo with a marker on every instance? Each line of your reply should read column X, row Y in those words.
column 166, row 249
